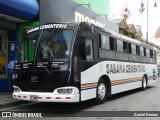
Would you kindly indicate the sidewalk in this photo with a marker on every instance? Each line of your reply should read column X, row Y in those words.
column 6, row 100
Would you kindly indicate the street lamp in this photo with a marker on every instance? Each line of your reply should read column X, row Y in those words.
column 155, row 5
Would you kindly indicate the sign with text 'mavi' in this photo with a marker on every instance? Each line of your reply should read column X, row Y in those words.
column 68, row 10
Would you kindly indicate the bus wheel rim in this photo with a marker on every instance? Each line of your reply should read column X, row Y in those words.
column 101, row 91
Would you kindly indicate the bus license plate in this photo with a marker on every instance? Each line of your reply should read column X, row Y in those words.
column 34, row 97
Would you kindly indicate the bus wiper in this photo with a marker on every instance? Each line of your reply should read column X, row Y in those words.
column 46, row 69
column 21, row 52
column 49, row 73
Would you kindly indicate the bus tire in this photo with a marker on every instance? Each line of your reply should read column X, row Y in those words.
column 101, row 93
column 144, row 83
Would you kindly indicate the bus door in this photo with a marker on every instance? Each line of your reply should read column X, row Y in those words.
column 86, row 53
column 86, row 62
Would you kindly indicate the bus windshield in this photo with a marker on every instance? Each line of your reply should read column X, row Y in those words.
column 53, row 45
column 27, row 47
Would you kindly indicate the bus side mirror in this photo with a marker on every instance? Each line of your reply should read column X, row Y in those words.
column 88, row 50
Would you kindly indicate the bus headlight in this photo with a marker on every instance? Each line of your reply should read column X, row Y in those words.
column 16, row 89
column 65, row 91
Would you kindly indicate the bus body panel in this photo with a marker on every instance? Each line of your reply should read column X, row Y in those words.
column 47, row 96
column 123, row 76
column 40, row 81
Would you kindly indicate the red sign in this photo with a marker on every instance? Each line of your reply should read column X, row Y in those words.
column 126, row 13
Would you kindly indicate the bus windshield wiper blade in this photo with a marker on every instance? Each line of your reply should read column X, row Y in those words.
column 49, row 73
column 45, row 67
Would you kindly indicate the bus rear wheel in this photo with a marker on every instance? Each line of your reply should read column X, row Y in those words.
column 144, row 83
column 101, row 94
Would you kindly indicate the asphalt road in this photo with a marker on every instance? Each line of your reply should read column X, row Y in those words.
column 137, row 100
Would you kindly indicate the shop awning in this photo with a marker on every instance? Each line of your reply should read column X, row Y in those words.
column 22, row 9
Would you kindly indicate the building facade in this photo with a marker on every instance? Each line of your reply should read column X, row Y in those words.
column 12, row 14
column 18, row 15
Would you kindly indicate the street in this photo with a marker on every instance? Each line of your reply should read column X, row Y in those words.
column 135, row 100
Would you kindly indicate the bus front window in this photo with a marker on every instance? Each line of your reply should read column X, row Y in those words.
column 48, row 45
column 27, row 47
column 55, row 45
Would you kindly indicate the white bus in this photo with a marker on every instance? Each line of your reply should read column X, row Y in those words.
column 82, row 62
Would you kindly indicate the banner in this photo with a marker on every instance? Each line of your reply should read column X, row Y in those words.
column 68, row 11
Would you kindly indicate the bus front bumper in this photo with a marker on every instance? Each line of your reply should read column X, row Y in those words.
column 47, row 96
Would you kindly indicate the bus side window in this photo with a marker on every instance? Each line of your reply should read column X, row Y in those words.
column 154, row 53
column 147, row 53
column 125, row 46
column 89, row 50
column 82, row 48
column 133, row 49
column 151, row 53
column 137, row 50
column 104, row 42
column 119, row 47
column 144, row 50
column 141, row 51
column 112, row 43
column 86, row 49
column 130, row 47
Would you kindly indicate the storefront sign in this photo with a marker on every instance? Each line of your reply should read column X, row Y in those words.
column 68, row 11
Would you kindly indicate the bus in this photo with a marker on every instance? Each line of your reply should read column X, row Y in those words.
column 78, row 61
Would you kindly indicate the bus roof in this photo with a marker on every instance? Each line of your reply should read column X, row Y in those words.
column 74, row 25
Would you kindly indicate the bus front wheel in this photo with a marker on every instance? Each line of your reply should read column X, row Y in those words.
column 101, row 94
